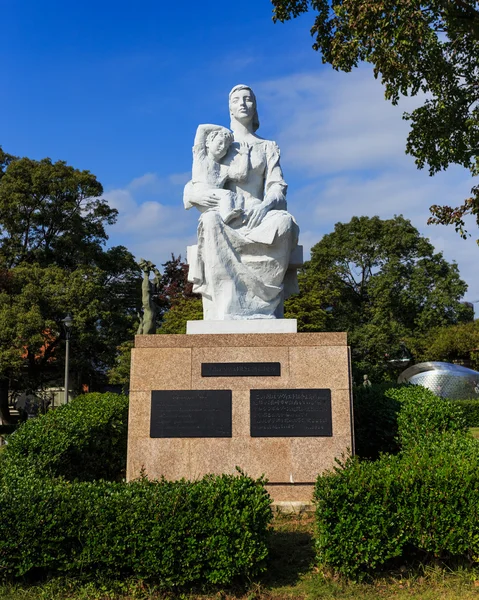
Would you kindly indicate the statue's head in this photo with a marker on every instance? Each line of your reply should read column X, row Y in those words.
column 218, row 141
column 242, row 104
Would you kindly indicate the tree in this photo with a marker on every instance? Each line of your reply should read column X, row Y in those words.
column 382, row 282
column 50, row 213
column 183, row 310
column 173, row 285
column 456, row 343
column 5, row 160
column 414, row 46
column 177, row 304
column 53, row 261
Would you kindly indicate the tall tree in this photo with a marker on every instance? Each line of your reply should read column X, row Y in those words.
column 53, row 261
column 415, row 46
column 380, row 281
column 173, row 285
column 51, row 213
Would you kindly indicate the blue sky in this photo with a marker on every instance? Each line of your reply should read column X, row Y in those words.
column 119, row 88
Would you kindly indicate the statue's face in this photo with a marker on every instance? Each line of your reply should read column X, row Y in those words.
column 242, row 105
column 218, row 146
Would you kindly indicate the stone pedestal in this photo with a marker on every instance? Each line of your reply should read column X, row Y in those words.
column 310, row 364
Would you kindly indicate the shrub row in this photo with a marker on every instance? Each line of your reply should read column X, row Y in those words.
column 84, row 440
column 423, row 415
column 470, row 408
column 60, row 516
column 423, row 500
column 376, row 411
column 375, row 420
column 177, row 533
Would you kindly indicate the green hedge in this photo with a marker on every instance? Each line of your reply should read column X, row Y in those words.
column 81, row 441
column 423, row 414
column 375, row 420
column 60, row 516
column 423, row 501
column 176, row 533
column 470, row 408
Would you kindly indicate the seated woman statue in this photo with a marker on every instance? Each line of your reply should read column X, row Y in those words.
column 241, row 264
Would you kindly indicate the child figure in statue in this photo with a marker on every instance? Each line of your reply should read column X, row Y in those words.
column 212, row 143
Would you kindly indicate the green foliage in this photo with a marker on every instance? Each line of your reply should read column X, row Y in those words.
column 375, row 421
column 61, row 516
column 52, row 261
column 50, row 214
column 312, row 306
column 455, row 343
column 470, row 410
column 420, row 503
column 184, row 309
column 177, row 533
column 414, row 47
column 81, row 441
column 382, row 282
column 119, row 374
column 423, row 414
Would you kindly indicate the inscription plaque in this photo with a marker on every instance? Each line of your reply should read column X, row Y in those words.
column 191, row 414
column 291, row 413
column 249, row 369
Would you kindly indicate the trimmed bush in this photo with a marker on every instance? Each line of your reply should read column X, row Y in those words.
column 81, row 441
column 423, row 501
column 176, row 533
column 375, row 420
column 470, row 408
column 423, row 414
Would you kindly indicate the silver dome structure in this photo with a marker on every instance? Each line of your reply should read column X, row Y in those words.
column 444, row 379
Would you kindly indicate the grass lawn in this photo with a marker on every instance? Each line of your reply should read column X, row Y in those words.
column 291, row 574
column 475, row 432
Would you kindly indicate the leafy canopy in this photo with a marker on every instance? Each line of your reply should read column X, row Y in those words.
column 414, row 46
column 380, row 281
column 51, row 213
column 53, row 261
column 456, row 343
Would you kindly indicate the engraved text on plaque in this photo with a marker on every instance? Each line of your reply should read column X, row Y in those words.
column 191, row 414
column 291, row 413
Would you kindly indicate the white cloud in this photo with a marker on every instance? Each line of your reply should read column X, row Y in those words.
column 335, row 122
column 148, row 181
column 152, row 222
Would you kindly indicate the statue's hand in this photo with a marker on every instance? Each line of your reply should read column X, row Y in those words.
column 243, row 148
column 256, row 216
column 209, row 199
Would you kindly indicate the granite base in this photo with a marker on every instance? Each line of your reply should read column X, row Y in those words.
column 290, row 464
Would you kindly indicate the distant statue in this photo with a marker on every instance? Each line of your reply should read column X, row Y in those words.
column 366, row 382
column 148, row 291
column 245, row 234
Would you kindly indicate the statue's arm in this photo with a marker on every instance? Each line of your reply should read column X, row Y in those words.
column 203, row 131
column 275, row 187
column 200, row 195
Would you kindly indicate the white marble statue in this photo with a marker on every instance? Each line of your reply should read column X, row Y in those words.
column 245, row 234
